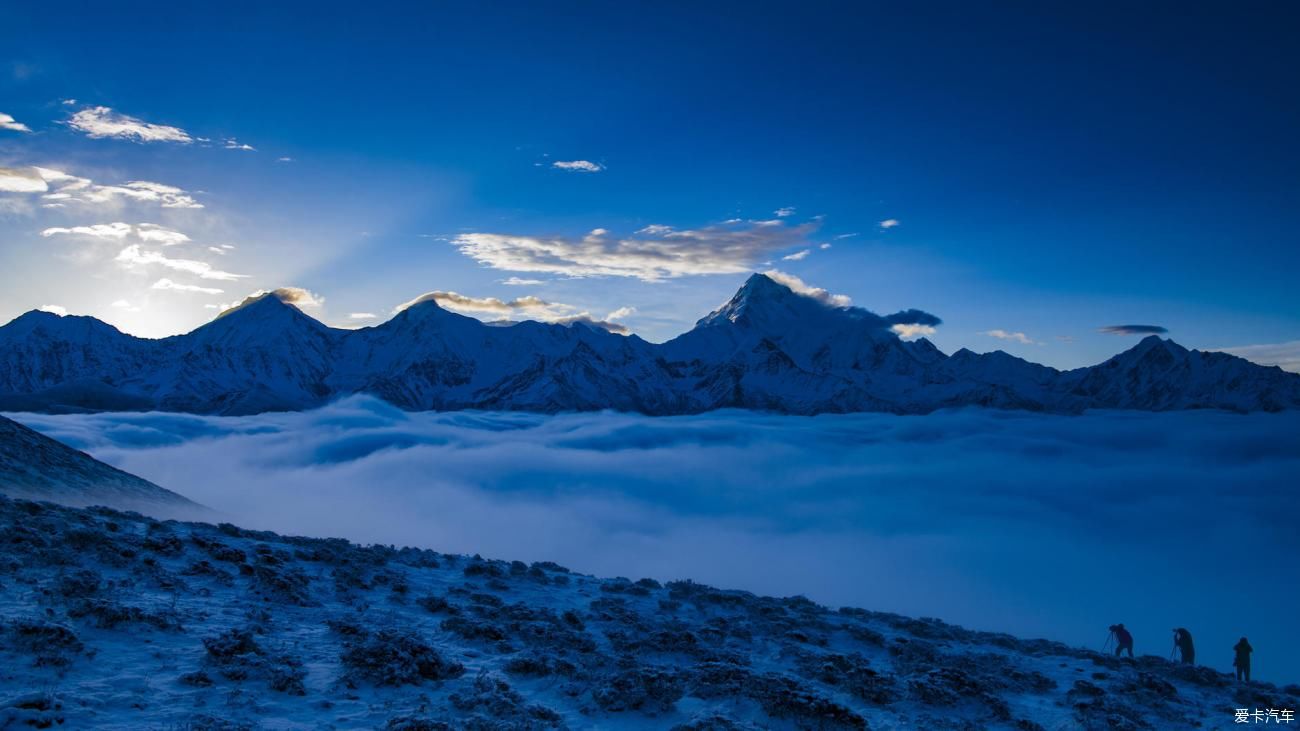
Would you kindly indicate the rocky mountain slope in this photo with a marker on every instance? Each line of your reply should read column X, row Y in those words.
column 33, row 465
column 767, row 348
column 118, row 621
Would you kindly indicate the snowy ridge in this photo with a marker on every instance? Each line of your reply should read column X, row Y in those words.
column 33, row 465
column 767, row 348
column 119, row 621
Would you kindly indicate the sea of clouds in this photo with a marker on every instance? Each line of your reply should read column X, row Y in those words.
column 1039, row 525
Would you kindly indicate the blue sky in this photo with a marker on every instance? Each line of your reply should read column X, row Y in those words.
column 1050, row 170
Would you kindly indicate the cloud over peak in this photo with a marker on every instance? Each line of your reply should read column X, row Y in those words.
column 103, row 122
column 798, row 285
column 1133, row 330
column 651, row 254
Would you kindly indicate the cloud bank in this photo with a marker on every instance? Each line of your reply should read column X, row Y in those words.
column 1035, row 524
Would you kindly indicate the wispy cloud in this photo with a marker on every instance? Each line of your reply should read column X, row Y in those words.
column 518, row 282
column 362, row 316
column 147, row 232
column 1283, row 355
column 889, row 223
column 284, row 159
column 1018, row 337
column 784, row 211
column 125, row 306
column 60, row 188
column 802, row 287
column 103, row 122
column 22, row 180
column 11, row 124
column 177, row 287
column 578, row 166
column 797, row 256
column 234, row 144
column 135, row 256
column 1133, row 330
column 527, row 305
column 649, row 256
column 848, row 236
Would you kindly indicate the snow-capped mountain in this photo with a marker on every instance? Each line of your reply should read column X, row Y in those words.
column 35, row 466
column 769, row 347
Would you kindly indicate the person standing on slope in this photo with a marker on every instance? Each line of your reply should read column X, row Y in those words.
column 1242, row 660
column 1123, row 640
column 1183, row 641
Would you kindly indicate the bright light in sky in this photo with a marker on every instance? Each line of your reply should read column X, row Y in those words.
column 1018, row 178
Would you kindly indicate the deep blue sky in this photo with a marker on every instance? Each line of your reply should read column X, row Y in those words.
column 1052, row 170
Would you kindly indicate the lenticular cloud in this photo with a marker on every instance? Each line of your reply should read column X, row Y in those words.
column 1036, row 524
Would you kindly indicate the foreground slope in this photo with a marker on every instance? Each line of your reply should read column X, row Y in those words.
column 768, row 347
column 117, row 621
column 33, row 465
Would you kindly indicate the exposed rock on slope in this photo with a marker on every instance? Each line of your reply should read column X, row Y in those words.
column 767, row 348
column 117, row 621
column 33, row 465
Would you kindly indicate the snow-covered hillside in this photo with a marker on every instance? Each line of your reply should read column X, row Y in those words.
column 118, row 621
column 34, row 465
column 769, row 348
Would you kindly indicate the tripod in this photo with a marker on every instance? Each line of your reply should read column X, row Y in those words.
column 1110, row 637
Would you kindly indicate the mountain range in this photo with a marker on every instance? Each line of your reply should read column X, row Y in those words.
column 768, row 348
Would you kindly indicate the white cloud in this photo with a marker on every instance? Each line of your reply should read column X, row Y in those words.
column 115, row 231
column 59, row 310
column 362, row 316
column 234, row 144
column 135, row 256
column 147, row 232
column 69, row 102
column 177, row 287
column 847, row 236
column 578, row 166
column 9, row 123
column 101, row 122
column 517, row 282
column 1283, row 355
column 655, row 229
column 22, row 180
column 784, row 211
column 125, row 306
column 912, row 332
column 60, row 187
column 797, row 256
column 621, row 313
column 1018, row 337
column 802, row 287
column 645, row 256
column 284, row 159
column 889, row 223
column 824, row 246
